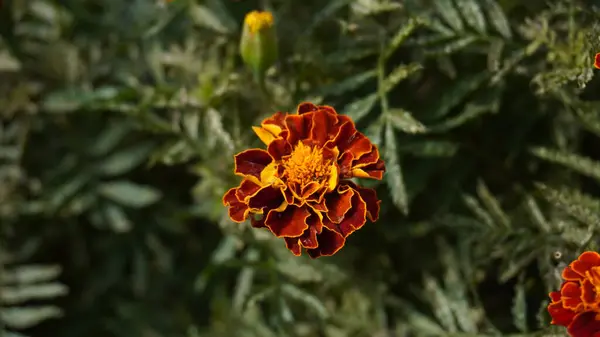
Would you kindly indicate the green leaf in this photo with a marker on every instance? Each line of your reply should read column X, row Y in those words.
column 450, row 45
column 125, row 160
column 399, row 73
column 496, row 17
column 129, row 194
column 446, row 9
column 440, row 304
column 27, row 317
column 117, row 219
column 394, row 177
column 110, row 137
column 361, row 107
column 492, row 205
column 31, row 273
column 579, row 205
column 583, row 165
column 519, row 308
column 431, row 148
column 206, row 18
column 471, row 12
column 311, row 301
column 456, row 94
column 328, row 11
column 21, row 293
column 404, row 121
column 400, row 37
column 349, row 83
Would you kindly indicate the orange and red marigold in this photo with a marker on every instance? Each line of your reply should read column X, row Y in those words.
column 577, row 304
column 597, row 61
column 299, row 187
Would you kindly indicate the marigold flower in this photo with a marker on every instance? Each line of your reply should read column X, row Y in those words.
column 577, row 304
column 258, row 44
column 299, row 185
column 597, row 61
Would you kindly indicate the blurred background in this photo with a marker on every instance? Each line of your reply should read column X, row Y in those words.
column 119, row 121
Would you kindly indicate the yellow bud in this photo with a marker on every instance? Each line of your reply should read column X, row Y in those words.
column 258, row 46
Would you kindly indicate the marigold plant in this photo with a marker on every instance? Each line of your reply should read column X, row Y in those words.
column 577, row 304
column 299, row 187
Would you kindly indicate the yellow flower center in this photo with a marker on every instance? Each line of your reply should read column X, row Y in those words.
column 257, row 21
column 305, row 165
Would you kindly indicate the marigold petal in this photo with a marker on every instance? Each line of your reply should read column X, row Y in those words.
column 267, row 197
column 265, row 135
column 297, row 127
column 308, row 239
column 275, row 124
column 570, row 290
column 584, row 324
column 588, row 293
column 345, row 136
column 279, row 148
column 368, row 158
column 570, row 275
column 373, row 171
column 330, row 243
column 323, row 122
column 560, row 315
column 334, row 178
column 585, row 261
column 293, row 244
column 355, row 218
column 289, row 223
column 305, row 107
column 338, row 204
column 554, row 296
column 597, row 61
column 251, row 162
column 268, row 176
column 246, row 189
column 309, row 189
column 369, row 196
column 237, row 211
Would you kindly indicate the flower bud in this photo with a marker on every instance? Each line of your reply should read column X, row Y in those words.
column 258, row 45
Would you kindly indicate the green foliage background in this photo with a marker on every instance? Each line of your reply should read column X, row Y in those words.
column 119, row 121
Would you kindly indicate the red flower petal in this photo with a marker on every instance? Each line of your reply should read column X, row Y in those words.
column 329, row 243
column 570, row 275
column 355, row 218
column 585, row 261
column 277, row 119
column 374, row 171
column 305, row 107
column 560, row 315
column 246, row 189
column 369, row 196
column 251, row 162
column 293, row 244
column 323, row 122
column 289, row 223
column 584, row 324
column 266, row 198
column 597, row 61
column 308, row 239
column 298, row 127
column 338, row 205
column 238, row 211
column 279, row 148
column 588, row 293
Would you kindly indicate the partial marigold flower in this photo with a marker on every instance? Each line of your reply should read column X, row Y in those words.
column 299, row 187
column 258, row 44
column 577, row 304
column 597, row 61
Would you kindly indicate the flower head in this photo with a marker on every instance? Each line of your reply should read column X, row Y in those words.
column 577, row 304
column 597, row 61
column 257, row 21
column 299, row 187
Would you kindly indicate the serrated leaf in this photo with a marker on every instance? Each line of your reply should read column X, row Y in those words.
column 398, row 74
column 31, row 273
column 360, row 108
column 579, row 205
column 496, row 17
column 583, row 165
column 456, row 94
column 400, row 37
column 431, row 148
column 125, row 160
column 20, row 293
column 27, row 317
column 404, row 121
column 349, row 83
column 129, row 194
column 206, row 18
column 446, row 9
column 440, row 304
column 451, row 45
column 472, row 14
column 394, row 177
column 519, row 307
column 311, row 301
column 492, row 205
